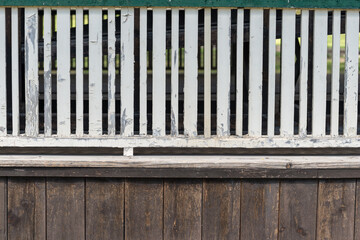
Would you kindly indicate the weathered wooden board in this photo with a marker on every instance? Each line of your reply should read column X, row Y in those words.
column 182, row 209
column 259, row 210
column 357, row 211
column 144, row 209
column 221, row 209
column 3, row 209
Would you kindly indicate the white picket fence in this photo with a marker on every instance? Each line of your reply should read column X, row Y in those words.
column 287, row 112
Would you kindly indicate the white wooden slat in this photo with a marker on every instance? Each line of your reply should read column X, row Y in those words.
column 95, row 71
column 47, row 73
column 335, row 73
column 255, row 71
column 159, row 73
column 127, row 71
column 224, row 73
column 287, row 72
column 272, row 73
column 143, row 71
column 15, row 71
column 304, row 52
column 191, row 72
column 319, row 73
column 207, row 73
column 239, row 72
column 63, row 72
column 3, row 128
column 175, row 71
column 351, row 73
column 79, row 72
column 111, row 71
column 31, row 72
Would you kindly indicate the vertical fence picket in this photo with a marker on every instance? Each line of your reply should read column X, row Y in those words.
column 127, row 71
column 95, row 71
column 319, row 73
column 272, row 73
column 143, row 71
column 175, row 71
column 224, row 74
column 111, row 71
column 47, row 73
column 255, row 71
column 351, row 73
column 287, row 72
column 304, row 53
column 207, row 73
column 79, row 72
column 63, row 72
column 31, row 72
column 3, row 128
column 335, row 73
column 191, row 72
column 15, row 71
column 159, row 71
column 239, row 72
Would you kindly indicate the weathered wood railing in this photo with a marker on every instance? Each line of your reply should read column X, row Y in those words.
column 149, row 94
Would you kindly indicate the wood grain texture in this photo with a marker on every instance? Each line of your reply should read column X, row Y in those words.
column 336, row 209
column 357, row 211
column 104, row 209
column 3, row 209
column 297, row 213
column 182, row 209
column 65, row 209
column 221, row 209
column 259, row 209
column 144, row 209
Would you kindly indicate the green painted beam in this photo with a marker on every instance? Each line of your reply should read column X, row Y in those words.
column 331, row 4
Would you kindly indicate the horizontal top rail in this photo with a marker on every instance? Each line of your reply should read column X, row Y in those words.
column 346, row 4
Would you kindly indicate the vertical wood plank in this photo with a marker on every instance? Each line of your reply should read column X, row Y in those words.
column 335, row 73
column 319, row 73
column 127, row 71
column 31, row 72
column 15, row 71
column 297, row 211
column 259, row 210
column 111, row 71
column 182, row 209
column 336, row 209
column 357, row 211
column 159, row 71
column 47, row 73
column 143, row 71
column 79, row 72
column 239, row 72
column 65, row 209
column 287, row 72
column 3, row 208
column 3, row 122
column 272, row 73
column 175, row 71
column 255, row 71
column 63, row 72
column 104, row 209
column 224, row 73
column 95, row 71
column 221, row 209
column 26, row 208
column 207, row 73
column 304, row 53
column 351, row 73
column 144, row 209
column 191, row 72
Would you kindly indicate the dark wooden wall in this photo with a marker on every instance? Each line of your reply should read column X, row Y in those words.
column 78, row 208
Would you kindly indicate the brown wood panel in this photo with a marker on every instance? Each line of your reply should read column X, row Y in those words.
column 297, row 213
column 221, row 209
column 3, row 209
column 144, row 209
column 336, row 209
column 26, row 208
column 104, row 209
column 65, row 209
column 357, row 211
column 182, row 209
column 259, row 209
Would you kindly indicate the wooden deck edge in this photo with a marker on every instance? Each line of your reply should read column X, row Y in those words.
column 180, row 166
